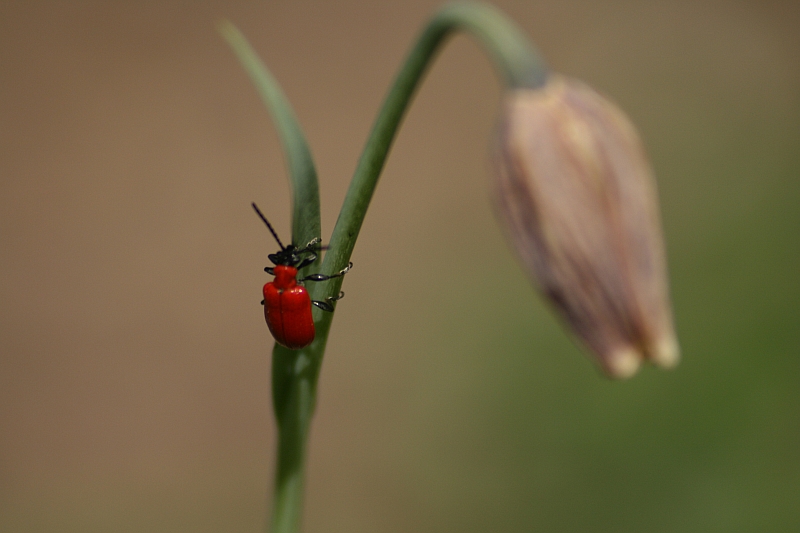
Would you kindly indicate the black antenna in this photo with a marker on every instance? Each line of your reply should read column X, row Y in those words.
column 260, row 214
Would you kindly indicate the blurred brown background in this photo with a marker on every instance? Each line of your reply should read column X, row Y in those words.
column 134, row 364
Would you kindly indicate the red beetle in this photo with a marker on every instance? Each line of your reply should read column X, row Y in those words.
column 287, row 305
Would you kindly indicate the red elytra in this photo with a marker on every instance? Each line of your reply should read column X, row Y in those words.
column 287, row 309
column 287, row 305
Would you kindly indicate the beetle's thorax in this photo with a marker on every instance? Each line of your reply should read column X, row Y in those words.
column 285, row 277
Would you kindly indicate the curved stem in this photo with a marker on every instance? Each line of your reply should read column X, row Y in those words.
column 519, row 66
column 514, row 56
column 295, row 372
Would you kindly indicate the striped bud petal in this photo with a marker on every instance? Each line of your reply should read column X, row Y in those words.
column 577, row 194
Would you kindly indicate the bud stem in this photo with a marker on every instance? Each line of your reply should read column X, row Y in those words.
column 516, row 59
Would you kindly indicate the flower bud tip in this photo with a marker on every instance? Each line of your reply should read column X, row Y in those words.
column 623, row 363
column 666, row 353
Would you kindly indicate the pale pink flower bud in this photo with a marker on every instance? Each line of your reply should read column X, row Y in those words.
column 578, row 196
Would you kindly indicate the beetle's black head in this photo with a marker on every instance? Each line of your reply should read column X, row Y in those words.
column 296, row 257
column 287, row 256
column 291, row 255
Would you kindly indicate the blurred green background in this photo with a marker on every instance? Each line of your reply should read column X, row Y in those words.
column 134, row 360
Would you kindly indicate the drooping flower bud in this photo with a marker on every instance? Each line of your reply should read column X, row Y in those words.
column 578, row 196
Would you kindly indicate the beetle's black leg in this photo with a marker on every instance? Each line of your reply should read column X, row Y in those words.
column 262, row 302
column 325, row 306
column 312, row 244
column 337, row 297
column 307, row 261
column 323, row 277
column 270, row 270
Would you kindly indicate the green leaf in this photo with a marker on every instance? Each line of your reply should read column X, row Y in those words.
column 302, row 172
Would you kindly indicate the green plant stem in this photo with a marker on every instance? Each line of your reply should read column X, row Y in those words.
column 295, row 372
column 512, row 54
column 294, row 391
